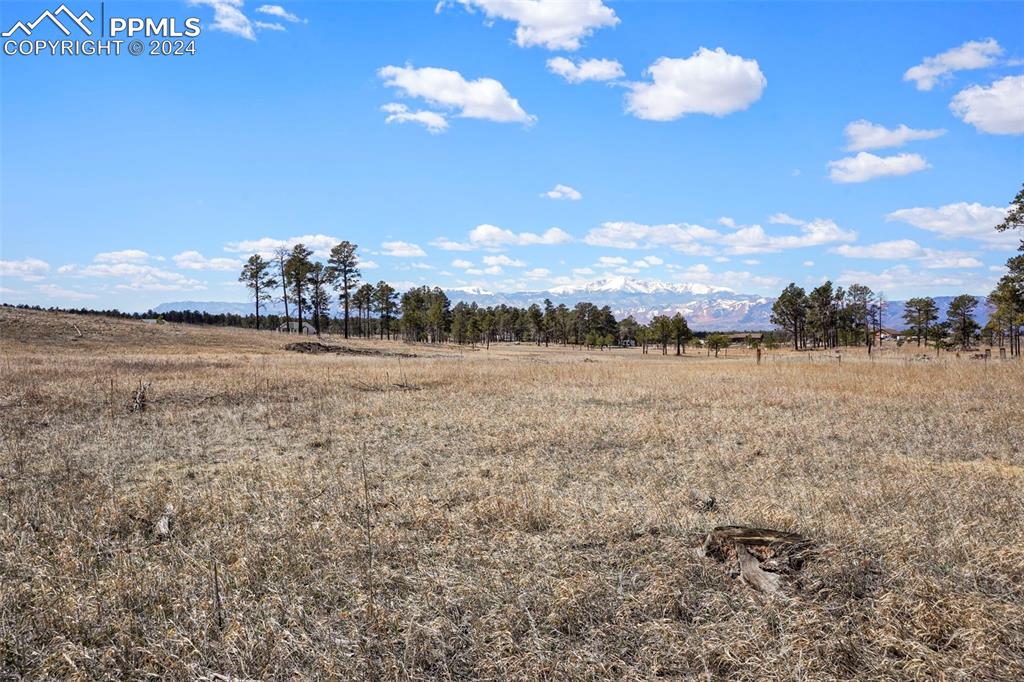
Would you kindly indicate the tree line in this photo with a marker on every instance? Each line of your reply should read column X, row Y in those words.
column 426, row 314
column 829, row 316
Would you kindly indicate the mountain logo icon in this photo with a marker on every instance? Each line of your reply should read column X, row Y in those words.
column 78, row 20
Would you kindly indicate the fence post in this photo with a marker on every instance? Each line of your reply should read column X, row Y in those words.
column 759, row 355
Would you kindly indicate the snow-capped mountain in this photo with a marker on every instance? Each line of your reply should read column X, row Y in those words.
column 705, row 307
column 635, row 286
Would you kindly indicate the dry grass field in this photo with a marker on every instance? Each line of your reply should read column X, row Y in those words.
column 519, row 512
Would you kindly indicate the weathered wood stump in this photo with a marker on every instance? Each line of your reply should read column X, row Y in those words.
column 765, row 557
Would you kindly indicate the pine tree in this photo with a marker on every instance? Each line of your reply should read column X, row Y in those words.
column 1015, row 218
column 790, row 312
column 717, row 342
column 960, row 317
column 344, row 266
column 256, row 277
column 297, row 269
column 384, row 301
column 662, row 331
column 681, row 332
column 860, row 301
column 918, row 314
column 363, row 301
column 319, row 281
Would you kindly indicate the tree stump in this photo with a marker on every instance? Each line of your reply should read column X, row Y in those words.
column 765, row 557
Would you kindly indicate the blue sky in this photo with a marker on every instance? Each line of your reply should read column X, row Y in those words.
column 733, row 144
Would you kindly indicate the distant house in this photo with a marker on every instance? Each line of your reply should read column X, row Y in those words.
column 292, row 327
column 746, row 338
column 886, row 334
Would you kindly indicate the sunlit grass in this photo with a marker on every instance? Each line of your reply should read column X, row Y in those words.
column 532, row 511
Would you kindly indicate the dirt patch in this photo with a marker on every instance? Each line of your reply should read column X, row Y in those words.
column 315, row 347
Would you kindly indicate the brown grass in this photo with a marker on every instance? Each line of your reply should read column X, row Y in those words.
column 530, row 515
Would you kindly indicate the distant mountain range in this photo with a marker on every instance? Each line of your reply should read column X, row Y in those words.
column 705, row 307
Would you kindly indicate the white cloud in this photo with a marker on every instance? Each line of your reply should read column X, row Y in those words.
column 974, row 54
column 698, row 240
column 997, row 109
column 138, row 277
column 863, row 134
column 491, row 236
column 433, row 121
column 476, row 271
column 653, row 260
column 563, row 192
column 554, row 24
column 26, row 268
column 960, row 220
column 625, row 270
column 503, row 260
column 784, row 219
column 610, row 261
column 400, row 249
column 537, row 273
column 193, row 260
column 751, row 261
column 279, row 12
column 730, row 279
column 368, row 264
column 726, row 221
column 753, row 239
column 582, row 271
column 900, row 249
column 228, row 17
column 59, row 292
column 483, row 98
column 865, row 166
column 683, row 237
column 446, row 244
column 709, row 82
column 586, row 70
column 890, row 250
column 901, row 281
column 937, row 260
column 320, row 244
column 461, row 263
column 125, row 256
column 808, row 264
